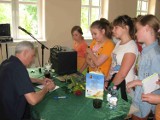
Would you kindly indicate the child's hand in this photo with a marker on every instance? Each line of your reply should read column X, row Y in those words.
column 151, row 98
column 158, row 82
column 88, row 51
column 132, row 84
column 105, row 85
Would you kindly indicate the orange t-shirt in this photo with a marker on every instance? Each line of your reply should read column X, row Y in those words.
column 105, row 49
column 80, row 48
column 81, row 52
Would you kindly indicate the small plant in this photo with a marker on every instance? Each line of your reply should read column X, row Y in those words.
column 75, row 85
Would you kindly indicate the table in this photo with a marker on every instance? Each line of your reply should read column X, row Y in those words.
column 75, row 107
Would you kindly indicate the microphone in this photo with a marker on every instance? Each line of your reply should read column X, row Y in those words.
column 24, row 30
column 42, row 45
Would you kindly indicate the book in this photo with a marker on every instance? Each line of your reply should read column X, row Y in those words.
column 149, row 84
column 94, row 85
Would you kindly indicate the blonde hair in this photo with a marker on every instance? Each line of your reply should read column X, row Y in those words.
column 151, row 21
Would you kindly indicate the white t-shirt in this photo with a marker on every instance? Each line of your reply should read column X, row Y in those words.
column 117, row 57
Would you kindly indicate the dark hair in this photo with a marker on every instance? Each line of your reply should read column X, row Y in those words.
column 124, row 20
column 78, row 29
column 151, row 21
column 103, row 24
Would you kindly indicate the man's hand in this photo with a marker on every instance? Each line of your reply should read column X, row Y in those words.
column 50, row 85
column 41, row 81
column 46, row 80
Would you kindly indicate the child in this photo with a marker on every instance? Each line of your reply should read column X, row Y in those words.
column 124, row 54
column 147, row 33
column 79, row 45
column 99, row 54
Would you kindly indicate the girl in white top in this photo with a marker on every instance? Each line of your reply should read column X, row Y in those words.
column 125, row 53
column 119, row 54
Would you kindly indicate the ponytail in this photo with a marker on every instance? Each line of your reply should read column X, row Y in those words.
column 125, row 20
column 103, row 24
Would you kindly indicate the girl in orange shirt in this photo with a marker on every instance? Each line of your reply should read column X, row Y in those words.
column 79, row 45
column 99, row 54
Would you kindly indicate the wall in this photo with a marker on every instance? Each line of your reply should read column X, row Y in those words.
column 105, row 5
column 151, row 6
column 60, row 17
column 157, row 9
column 120, row 7
column 154, row 8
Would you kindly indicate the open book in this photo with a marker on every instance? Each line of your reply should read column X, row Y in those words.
column 94, row 85
column 149, row 84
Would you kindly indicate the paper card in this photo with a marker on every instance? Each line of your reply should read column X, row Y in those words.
column 149, row 84
column 41, row 87
column 94, row 85
column 61, row 78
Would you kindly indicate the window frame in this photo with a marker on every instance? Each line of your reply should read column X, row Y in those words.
column 90, row 6
column 140, row 11
column 15, row 17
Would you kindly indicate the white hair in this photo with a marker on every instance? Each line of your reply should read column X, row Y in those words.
column 24, row 45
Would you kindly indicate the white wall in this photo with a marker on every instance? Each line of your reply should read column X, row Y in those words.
column 152, row 6
column 60, row 17
column 121, row 7
column 157, row 9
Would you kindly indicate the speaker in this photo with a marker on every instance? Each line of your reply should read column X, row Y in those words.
column 5, row 30
column 64, row 60
column 5, row 34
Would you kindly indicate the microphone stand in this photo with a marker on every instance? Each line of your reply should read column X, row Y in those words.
column 42, row 46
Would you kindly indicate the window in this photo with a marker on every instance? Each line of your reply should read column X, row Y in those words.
column 90, row 11
column 24, row 13
column 142, row 7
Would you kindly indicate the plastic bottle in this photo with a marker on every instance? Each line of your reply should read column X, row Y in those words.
column 112, row 100
column 114, row 91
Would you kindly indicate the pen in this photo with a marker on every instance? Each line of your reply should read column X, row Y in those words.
column 60, row 97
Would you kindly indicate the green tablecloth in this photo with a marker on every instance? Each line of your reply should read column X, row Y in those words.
column 75, row 107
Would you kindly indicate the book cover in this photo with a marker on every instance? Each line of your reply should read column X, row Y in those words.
column 94, row 85
column 149, row 84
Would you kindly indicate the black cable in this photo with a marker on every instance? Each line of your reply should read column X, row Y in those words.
column 1, row 51
column 57, row 47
